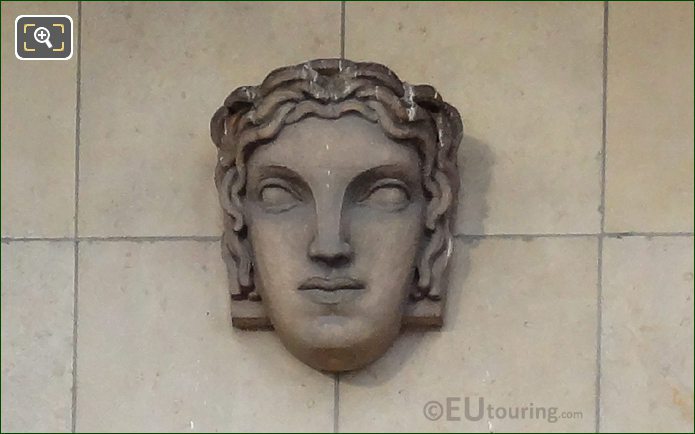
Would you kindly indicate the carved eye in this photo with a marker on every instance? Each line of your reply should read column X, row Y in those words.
column 389, row 195
column 277, row 197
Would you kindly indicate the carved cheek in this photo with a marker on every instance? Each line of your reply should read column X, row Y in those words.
column 278, row 241
column 393, row 237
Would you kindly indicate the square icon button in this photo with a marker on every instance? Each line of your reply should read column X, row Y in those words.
column 43, row 37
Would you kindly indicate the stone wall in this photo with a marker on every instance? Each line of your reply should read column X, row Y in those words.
column 572, row 281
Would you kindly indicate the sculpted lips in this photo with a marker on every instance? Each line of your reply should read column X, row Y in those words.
column 331, row 284
column 331, row 291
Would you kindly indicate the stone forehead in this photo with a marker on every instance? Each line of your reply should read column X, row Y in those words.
column 349, row 142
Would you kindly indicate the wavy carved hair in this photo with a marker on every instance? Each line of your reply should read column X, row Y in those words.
column 330, row 88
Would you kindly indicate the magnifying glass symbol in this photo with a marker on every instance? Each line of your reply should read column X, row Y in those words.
column 43, row 36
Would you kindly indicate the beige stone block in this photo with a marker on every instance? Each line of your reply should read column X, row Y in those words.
column 37, row 334
column 649, row 134
column 38, row 133
column 647, row 345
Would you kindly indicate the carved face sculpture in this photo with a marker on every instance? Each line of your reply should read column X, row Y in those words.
column 338, row 184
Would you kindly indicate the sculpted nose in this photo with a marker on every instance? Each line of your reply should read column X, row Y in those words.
column 329, row 245
column 333, row 252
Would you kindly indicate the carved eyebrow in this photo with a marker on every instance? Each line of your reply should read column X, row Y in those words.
column 278, row 171
column 282, row 172
column 392, row 171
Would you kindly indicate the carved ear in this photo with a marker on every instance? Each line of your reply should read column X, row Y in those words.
column 235, row 244
column 224, row 192
column 239, row 251
column 234, row 253
column 230, row 201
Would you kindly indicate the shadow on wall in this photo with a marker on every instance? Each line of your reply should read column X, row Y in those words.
column 475, row 161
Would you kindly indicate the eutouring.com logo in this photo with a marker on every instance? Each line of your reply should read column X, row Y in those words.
column 451, row 409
